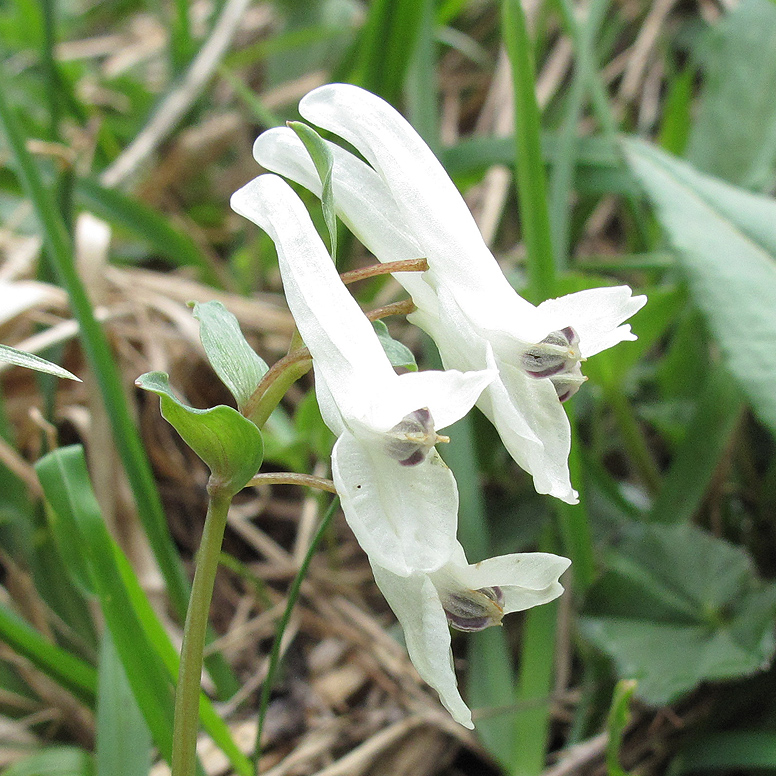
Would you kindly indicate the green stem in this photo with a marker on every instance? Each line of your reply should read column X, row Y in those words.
column 186, row 723
column 293, row 594
column 532, row 196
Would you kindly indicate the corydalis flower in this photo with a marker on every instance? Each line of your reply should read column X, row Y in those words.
column 397, row 494
column 405, row 205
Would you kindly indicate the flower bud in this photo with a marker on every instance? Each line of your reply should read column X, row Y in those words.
column 556, row 353
column 411, row 439
column 473, row 610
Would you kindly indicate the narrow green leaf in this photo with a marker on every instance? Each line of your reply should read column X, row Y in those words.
column 617, row 721
column 227, row 442
column 16, row 357
column 54, row 761
column 532, row 196
column 123, row 738
column 232, row 358
column 63, row 667
column 125, row 434
column 323, row 159
column 65, row 481
column 385, row 47
column 398, row 353
column 726, row 241
column 705, row 442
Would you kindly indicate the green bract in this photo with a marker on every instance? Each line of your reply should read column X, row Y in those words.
column 398, row 353
column 232, row 358
column 226, row 441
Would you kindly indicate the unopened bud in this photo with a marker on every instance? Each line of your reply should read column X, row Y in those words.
column 556, row 353
column 411, row 439
column 474, row 610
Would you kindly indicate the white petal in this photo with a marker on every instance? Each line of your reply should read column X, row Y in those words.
column 525, row 411
column 404, row 517
column 341, row 340
column 416, row 605
column 362, row 200
column 431, row 206
column 596, row 315
column 526, row 579
column 448, row 395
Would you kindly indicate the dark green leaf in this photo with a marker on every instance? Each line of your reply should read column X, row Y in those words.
column 678, row 607
column 232, row 358
column 227, row 442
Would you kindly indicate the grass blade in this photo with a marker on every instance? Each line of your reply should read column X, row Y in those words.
column 532, row 196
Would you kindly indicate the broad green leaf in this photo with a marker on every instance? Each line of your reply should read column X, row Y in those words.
column 734, row 132
column 227, row 442
column 726, row 241
column 232, row 358
column 678, row 607
column 323, row 159
column 398, row 353
column 123, row 739
column 54, row 761
column 61, row 666
column 16, row 357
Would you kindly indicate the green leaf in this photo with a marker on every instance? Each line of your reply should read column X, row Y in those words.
column 16, row 357
column 726, row 240
column 62, row 666
column 54, row 761
column 227, row 442
column 323, row 159
column 734, row 132
column 678, row 607
column 123, row 738
column 730, row 749
column 398, row 354
column 705, row 442
column 66, row 486
column 232, row 358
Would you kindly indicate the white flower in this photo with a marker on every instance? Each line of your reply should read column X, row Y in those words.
column 397, row 494
column 404, row 205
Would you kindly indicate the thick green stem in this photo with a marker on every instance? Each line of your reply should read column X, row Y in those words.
column 186, row 724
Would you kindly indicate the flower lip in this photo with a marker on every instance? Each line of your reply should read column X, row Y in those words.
column 558, row 352
column 411, row 439
column 473, row 610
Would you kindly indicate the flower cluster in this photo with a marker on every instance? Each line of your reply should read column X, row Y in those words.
column 517, row 362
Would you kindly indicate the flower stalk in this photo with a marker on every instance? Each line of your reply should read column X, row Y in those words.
column 186, row 723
